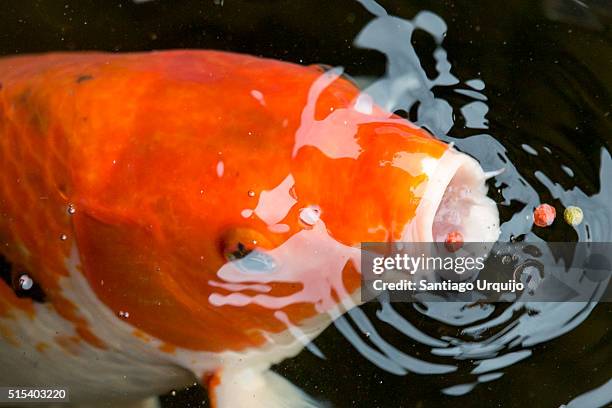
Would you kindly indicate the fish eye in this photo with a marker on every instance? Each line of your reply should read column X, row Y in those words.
column 244, row 247
column 238, row 243
column 240, row 252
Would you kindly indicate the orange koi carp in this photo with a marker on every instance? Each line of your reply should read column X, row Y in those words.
column 182, row 215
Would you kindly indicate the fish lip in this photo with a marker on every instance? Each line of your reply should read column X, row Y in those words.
column 449, row 165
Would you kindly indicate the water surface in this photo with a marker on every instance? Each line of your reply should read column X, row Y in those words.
column 521, row 85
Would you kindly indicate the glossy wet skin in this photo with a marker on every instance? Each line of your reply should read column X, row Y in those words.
column 165, row 158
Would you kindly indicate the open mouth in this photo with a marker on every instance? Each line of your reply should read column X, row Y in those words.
column 455, row 200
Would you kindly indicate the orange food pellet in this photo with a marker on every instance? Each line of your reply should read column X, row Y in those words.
column 544, row 215
column 454, row 241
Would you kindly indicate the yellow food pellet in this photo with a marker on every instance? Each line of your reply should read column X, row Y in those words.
column 573, row 215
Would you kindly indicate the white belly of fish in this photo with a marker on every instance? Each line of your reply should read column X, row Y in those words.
column 132, row 368
column 38, row 352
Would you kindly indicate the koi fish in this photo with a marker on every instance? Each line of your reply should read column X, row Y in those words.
column 176, row 216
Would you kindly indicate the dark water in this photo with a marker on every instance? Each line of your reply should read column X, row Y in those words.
column 546, row 66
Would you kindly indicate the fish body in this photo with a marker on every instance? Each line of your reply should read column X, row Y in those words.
column 197, row 215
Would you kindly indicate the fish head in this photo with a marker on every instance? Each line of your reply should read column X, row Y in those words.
column 230, row 231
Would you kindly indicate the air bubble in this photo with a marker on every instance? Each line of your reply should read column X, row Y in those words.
column 251, row 193
column 25, row 282
column 310, row 215
column 124, row 315
column 71, row 209
column 63, row 237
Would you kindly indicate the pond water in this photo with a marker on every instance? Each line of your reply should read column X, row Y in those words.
column 523, row 86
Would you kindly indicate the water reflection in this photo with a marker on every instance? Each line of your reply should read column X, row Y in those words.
column 492, row 339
